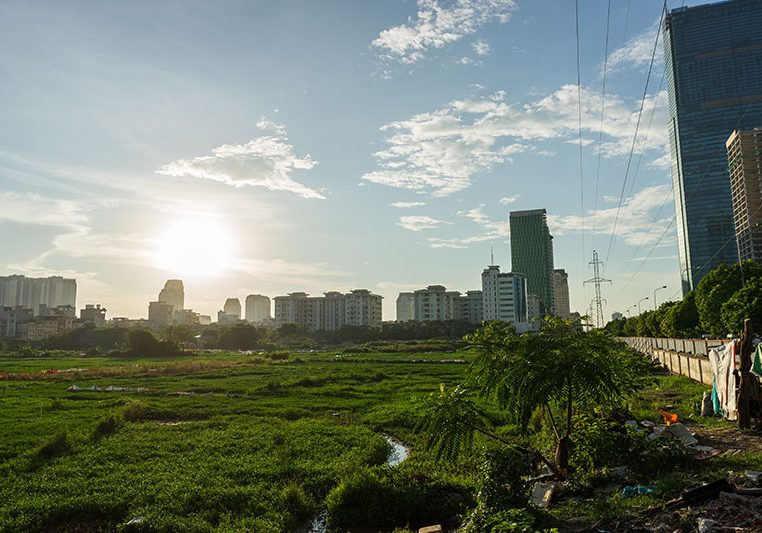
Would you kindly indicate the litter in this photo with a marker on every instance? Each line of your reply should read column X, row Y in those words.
column 630, row 490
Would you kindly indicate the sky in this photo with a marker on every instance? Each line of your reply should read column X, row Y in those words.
column 271, row 147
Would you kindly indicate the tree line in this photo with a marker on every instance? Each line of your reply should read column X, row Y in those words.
column 716, row 307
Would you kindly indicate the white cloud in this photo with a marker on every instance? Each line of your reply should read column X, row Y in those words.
column 436, row 25
column 481, row 47
column 636, row 53
column 405, row 205
column 636, row 224
column 266, row 161
column 440, row 151
column 491, row 230
column 508, row 200
column 419, row 222
column 35, row 209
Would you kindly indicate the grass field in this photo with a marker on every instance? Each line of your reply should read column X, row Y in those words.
column 256, row 442
column 218, row 441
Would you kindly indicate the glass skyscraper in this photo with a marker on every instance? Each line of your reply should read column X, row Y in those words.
column 714, row 72
column 532, row 254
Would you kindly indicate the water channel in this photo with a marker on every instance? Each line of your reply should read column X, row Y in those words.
column 397, row 455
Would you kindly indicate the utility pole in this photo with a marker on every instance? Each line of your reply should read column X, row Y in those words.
column 596, row 281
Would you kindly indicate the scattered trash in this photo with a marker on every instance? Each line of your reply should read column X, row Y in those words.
column 706, row 526
column 137, row 521
column 669, row 418
column 707, row 407
column 110, row 388
column 620, row 471
column 431, row 529
column 681, row 432
column 544, row 493
column 753, row 475
column 630, row 490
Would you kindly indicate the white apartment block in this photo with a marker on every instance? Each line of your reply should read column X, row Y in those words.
column 405, row 307
column 330, row 312
column 504, row 296
column 20, row 291
column 435, row 303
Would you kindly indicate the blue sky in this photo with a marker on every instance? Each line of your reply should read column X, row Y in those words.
column 270, row 147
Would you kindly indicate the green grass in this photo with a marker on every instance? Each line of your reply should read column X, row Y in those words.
column 217, row 442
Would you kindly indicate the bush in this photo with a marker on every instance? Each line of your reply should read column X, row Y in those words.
column 381, row 497
column 105, row 427
column 135, row 411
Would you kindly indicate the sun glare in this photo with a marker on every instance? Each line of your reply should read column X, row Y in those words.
column 197, row 247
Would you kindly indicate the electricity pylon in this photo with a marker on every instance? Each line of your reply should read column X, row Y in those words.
column 597, row 280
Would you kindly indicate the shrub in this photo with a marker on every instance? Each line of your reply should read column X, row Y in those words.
column 55, row 447
column 135, row 411
column 105, row 427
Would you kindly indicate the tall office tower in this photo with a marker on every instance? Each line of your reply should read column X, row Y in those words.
column 745, row 167
column 713, row 54
column 561, row 293
column 257, row 308
column 232, row 307
column 504, row 295
column 20, row 291
column 173, row 294
column 532, row 254
column 405, row 307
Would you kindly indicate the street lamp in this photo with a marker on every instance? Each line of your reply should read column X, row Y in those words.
column 640, row 302
column 657, row 289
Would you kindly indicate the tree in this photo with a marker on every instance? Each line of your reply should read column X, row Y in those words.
column 142, row 342
column 716, row 288
column 745, row 303
column 682, row 319
column 240, row 337
column 560, row 370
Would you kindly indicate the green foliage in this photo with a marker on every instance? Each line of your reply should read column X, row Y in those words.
column 502, row 479
column 681, row 320
column 89, row 337
column 598, row 442
column 745, row 303
column 562, row 365
column 716, row 288
column 448, row 420
column 136, row 411
column 387, row 498
column 515, row 520
column 105, row 427
column 240, row 337
column 143, row 343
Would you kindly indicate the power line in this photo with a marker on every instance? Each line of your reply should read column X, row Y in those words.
column 603, row 107
column 637, row 127
column 579, row 123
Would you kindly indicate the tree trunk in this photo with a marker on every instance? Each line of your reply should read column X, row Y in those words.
column 562, row 454
column 746, row 386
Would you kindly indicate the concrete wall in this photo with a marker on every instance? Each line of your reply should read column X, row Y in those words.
column 686, row 357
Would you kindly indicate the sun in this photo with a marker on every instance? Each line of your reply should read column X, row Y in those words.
column 195, row 247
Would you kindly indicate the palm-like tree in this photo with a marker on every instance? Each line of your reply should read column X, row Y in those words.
column 560, row 370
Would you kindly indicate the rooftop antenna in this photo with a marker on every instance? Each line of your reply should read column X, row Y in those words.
column 492, row 255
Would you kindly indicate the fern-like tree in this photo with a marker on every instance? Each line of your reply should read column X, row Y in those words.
column 560, row 370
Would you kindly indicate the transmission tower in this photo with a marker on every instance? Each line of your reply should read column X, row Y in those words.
column 597, row 280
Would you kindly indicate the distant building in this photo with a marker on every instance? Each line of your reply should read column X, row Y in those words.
column 11, row 317
column 470, row 307
column 94, row 314
column 226, row 319
column 330, row 312
column 435, row 302
column 534, row 308
column 20, row 291
column 504, row 296
column 160, row 314
column 232, row 307
column 204, row 320
column 173, row 293
column 405, row 307
column 363, row 308
column 561, row 293
column 532, row 254
column 186, row 317
column 745, row 167
column 713, row 54
column 257, row 308
column 616, row 315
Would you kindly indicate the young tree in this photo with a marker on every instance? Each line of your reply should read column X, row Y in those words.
column 561, row 370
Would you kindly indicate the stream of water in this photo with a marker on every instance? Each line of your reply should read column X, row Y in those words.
column 397, row 455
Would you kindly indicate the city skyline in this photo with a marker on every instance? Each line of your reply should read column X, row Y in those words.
column 181, row 141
